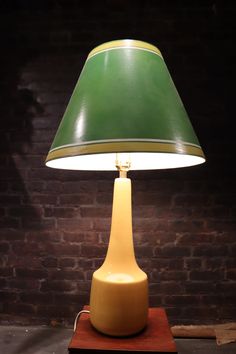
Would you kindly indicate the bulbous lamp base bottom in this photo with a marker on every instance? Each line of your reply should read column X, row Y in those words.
column 119, row 303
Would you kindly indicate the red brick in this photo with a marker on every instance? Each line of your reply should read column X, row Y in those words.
column 210, row 250
column 76, row 199
column 70, row 176
column 10, row 234
column 180, row 212
column 201, row 313
column 193, row 200
column 10, row 200
column 89, row 250
column 42, row 135
column 8, row 296
column 102, row 225
column 67, row 262
column 4, row 186
column 173, row 312
column 61, row 212
column 97, row 212
column 183, row 300
column 193, row 263
column 26, row 211
column 79, row 237
column 104, row 198
column 30, row 249
column 23, row 284
column 185, row 226
column 212, row 300
column 196, row 238
column 224, row 199
column 226, row 287
column 66, row 275
column 173, row 275
column 37, row 223
column 215, row 212
column 228, row 299
column 9, row 174
column 62, row 249
column 44, row 199
column 170, row 287
column 163, row 237
column 174, row 251
column 4, row 247
column 213, row 263
column 84, row 286
column 54, row 311
column 4, row 160
column 36, row 298
column 103, row 237
column 155, row 301
column 9, row 222
column 68, row 224
column 167, row 263
column 62, row 299
column 225, row 237
column 2, row 212
column 231, row 274
column 86, row 263
column 105, row 186
column 150, row 198
column 172, row 186
column 50, row 187
column 37, row 148
column 6, row 272
column 32, row 160
column 23, row 261
column 78, row 187
column 45, row 174
column 57, row 285
column 31, row 273
column 221, row 225
column 43, row 236
column 21, row 309
column 2, row 283
column 143, row 251
column 148, row 225
column 203, row 275
column 200, row 287
column 230, row 262
column 147, row 212
column 227, row 312
column 49, row 262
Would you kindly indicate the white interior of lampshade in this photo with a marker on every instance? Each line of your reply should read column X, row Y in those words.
column 139, row 161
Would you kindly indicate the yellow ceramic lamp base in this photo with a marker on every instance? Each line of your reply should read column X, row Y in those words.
column 119, row 293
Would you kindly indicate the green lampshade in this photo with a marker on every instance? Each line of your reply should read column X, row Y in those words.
column 125, row 102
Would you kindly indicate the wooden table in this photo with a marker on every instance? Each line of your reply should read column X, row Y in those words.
column 155, row 338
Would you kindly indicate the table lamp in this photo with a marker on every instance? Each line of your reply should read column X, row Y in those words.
column 124, row 114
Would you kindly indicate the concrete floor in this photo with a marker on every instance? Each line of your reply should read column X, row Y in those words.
column 44, row 340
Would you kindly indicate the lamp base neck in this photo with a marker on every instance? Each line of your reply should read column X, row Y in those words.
column 119, row 293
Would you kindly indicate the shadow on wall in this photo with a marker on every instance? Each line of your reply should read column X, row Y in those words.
column 18, row 106
column 17, row 110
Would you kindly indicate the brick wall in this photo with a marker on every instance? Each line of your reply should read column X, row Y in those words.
column 55, row 224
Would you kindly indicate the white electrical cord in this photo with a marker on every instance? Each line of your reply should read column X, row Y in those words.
column 77, row 317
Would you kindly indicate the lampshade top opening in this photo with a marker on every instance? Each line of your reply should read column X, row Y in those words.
column 125, row 43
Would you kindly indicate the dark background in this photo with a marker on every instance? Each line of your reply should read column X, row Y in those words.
column 55, row 224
